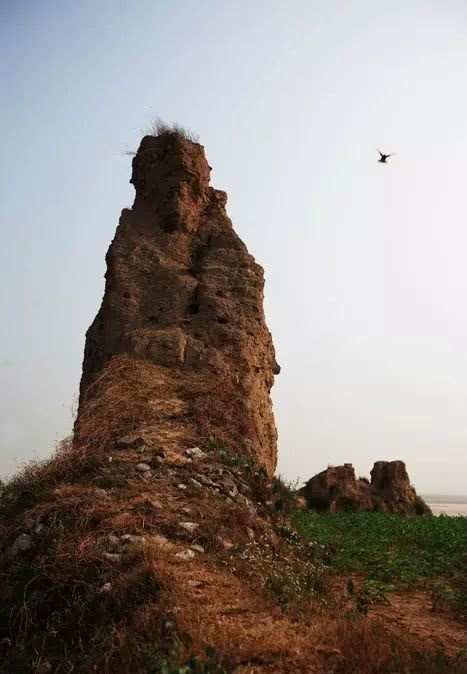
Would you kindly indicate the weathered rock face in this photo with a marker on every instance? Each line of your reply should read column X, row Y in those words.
column 333, row 489
column 337, row 489
column 183, row 293
column 390, row 481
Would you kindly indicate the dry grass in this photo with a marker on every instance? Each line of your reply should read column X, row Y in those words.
column 118, row 401
column 66, row 605
column 219, row 414
column 160, row 128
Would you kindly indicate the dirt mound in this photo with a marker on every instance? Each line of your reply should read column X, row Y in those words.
column 337, row 489
column 182, row 292
column 165, row 561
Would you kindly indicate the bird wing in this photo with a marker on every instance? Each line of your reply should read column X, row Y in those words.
column 380, row 152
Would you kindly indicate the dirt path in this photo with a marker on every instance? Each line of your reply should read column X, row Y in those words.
column 410, row 613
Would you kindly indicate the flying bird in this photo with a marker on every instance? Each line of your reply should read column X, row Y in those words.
column 383, row 157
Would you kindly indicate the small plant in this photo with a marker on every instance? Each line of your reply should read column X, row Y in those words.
column 291, row 574
column 373, row 592
column 442, row 595
column 451, row 595
column 231, row 459
column 160, row 128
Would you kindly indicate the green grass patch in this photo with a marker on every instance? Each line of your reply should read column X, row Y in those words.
column 389, row 548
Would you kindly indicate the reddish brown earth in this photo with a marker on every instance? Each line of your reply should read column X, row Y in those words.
column 412, row 613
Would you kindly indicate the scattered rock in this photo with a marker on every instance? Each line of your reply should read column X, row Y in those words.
column 129, row 442
column 186, row 510
column 113, row 539
column 241, row 498
column 143, row 467
column 112, row 557
column 195, row 483
column 229, row 486
column 185, row 555
column 100, row 493
column 244, row 488
column 250, row 533
column 195, row 453
column 223, row 542
column 189, row 526
column 153, row 504
column 134, row 540
column 105, row 589
column 182, row 486
column 39, row 529
column 195, row 583
column 22, row 544
column 206, row 481
column 197, row 548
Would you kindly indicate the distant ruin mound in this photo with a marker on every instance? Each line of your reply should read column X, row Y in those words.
column 337, row 489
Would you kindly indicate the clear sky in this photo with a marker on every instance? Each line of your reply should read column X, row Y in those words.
column 366, row 276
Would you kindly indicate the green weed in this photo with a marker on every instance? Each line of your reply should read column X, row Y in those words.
column 389, row 547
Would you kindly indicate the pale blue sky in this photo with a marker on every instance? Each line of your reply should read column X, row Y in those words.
column 366, row 281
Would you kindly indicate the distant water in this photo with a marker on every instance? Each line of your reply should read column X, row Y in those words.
column 446, row 505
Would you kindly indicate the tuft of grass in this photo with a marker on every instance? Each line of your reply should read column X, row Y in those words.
column 223, row 453
column 389, row 547
column 160, row 128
